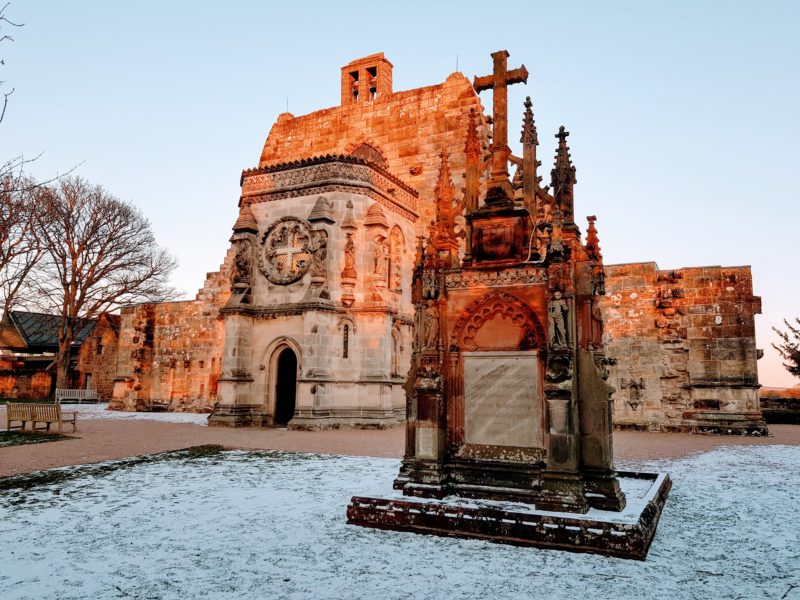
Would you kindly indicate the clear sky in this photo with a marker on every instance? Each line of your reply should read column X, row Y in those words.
column 684, row 115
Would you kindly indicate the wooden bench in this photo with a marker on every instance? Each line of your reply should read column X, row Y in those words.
column 78, row 396
column 46, row 414
column 18, row 412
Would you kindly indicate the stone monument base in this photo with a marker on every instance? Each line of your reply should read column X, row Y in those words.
column 625, row 534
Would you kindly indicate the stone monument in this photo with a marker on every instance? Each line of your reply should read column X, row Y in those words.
column 507, row 397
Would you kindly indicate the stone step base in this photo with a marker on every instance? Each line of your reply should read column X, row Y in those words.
column 597, row 532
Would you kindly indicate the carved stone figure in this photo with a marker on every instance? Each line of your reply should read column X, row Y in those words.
column 597, row 325
column 381, row 257
column 542, row 241
column 241, row 273
column 349, row 270
column 598, row 281
column 431, row 338
column 558, row 317
column 319, row 253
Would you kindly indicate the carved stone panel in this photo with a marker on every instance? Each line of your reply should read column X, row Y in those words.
column 285, row 253
column 502, row 404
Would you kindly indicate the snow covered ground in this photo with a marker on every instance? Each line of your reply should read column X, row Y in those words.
column 272, row 525
column 99, row 411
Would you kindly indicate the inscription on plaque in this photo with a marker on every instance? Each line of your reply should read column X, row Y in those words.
column 501, row 399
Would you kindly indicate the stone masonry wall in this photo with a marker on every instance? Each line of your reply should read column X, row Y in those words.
column 409, row 128
column 684, row 346
column 171, row 352
column 96, row 356
column 27, row 384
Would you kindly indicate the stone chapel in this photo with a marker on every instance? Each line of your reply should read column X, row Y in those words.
column 309, row 323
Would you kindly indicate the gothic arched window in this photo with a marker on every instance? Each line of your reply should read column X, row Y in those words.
column 346, row 341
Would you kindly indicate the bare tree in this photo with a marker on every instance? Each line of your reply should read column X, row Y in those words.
column 10, row 165
column 790, row 348
column 99, row 253
column 20, row 249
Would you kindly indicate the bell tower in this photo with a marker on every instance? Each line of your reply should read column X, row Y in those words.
column 366, row 79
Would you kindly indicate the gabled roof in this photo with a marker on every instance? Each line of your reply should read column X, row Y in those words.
column 37, row 332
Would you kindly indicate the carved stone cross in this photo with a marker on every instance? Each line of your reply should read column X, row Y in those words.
column 293, row 251
column 499, row 81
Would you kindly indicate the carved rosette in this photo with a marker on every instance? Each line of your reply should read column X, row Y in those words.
column 286, row 250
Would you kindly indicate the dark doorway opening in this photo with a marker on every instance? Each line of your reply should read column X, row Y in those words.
column 285, row 387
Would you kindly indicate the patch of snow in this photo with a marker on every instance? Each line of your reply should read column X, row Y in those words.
column 100, row 411
column 272, row 525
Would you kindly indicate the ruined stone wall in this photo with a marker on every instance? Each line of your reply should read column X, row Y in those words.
column 684, row 346
column 409, row 128
column 25, row 384
column 98, row 357
column 171, row 352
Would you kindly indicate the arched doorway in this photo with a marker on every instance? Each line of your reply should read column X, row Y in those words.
column 285, row 386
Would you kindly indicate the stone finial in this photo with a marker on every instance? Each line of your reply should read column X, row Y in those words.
column 472, row 147
column 445, row 208
column 529, row 135
column 349, row 221
column 562, row 177
column 246, row 223
column 564, row 171
column 376, row 217
column 322, row 211
column 592, row 241
column 444, row 189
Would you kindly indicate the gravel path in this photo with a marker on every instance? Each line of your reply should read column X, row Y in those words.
column 112, row 436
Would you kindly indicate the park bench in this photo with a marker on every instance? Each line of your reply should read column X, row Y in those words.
column 46, row 414
column 78, row 396
column 18, row 412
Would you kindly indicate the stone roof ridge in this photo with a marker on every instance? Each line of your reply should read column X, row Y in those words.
column 327, row 158
column 396, row 96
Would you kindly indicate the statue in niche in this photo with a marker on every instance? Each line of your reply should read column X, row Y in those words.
column 542, row 241
column 381, row 257
column 596, row 325
column 598, row 281
column 558, row 318
column 349, row 270
column 241, row 271
column 319, row 252
column 431, row 329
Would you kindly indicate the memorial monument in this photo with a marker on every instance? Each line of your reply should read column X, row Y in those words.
column 507, row 397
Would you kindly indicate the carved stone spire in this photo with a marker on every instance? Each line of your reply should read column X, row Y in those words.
column 444, row 237
column 592, row 241
column 562, row 177
column 529, row 141
column 529, row 134
column 473, row 151
column 472, row 147
column 444, row 189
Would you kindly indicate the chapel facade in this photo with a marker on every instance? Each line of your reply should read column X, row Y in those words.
column 310, row 321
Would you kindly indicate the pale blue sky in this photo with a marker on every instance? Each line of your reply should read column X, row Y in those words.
column 683, row 114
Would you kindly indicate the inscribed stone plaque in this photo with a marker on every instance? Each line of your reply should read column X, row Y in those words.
column 501, row 399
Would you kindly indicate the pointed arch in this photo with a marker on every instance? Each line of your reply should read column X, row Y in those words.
column 369, row 151
column 498, row 305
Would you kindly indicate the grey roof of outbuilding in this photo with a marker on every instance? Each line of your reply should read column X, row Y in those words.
column 40, row 330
